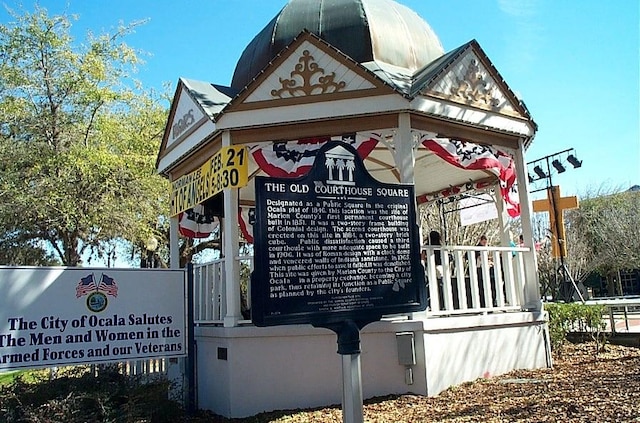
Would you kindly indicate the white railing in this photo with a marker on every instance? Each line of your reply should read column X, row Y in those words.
column 457, row 285
column 210, row 305
column 452, row 288
column 145, row 368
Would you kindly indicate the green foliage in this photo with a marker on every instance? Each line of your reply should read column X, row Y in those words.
column 15, row 251
column 8, row 377
column 76, row 395
column 78, row 141
column 575, row 317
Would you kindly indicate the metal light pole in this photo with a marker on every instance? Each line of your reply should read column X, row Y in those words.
column 554, row 160
column 150, row 259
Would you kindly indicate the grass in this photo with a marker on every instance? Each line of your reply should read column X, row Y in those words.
column 8, row 377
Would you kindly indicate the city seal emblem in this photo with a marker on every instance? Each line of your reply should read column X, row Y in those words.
column 97, row 302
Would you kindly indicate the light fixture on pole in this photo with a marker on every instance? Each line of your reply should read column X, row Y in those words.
column 544, row 167
column 554, row 162
column 150, row 260
column 559, row 167
column 538, row 170
column 151, row 244
column 574, row 161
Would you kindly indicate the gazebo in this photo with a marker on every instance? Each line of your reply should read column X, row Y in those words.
column 373, row 74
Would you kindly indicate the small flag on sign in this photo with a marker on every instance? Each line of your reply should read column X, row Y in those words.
column 86, row 285
column 108, row 285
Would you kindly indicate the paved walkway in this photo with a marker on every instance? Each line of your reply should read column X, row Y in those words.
column 631, row 324
column 626, row 313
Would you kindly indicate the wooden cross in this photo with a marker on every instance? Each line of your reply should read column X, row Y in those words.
column 555, row 215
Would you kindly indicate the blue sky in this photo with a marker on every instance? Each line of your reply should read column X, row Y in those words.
column 574, row 63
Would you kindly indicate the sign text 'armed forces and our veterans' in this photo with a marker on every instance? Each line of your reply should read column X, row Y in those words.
column 226, row 169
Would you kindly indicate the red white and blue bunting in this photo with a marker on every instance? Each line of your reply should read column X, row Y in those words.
column 195, row 223
column 295, row 158
column 482, row 185
column 246, row 220
column 284, row 159
column 467, row 155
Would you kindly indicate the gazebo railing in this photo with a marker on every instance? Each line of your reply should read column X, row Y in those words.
column 210, row 301
column 454, row 287
column 209, row 305
column 474, row 279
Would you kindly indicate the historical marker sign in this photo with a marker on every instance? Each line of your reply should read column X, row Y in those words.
column 334, row 245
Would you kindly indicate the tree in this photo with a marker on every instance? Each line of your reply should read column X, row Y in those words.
column 16, row 251
column 605, row 236
column 78, row 139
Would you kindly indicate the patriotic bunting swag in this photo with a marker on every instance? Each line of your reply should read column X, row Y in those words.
column 455, row 190
column 288, row 159
column 246, row 220
column 466, row 155
column 294, row 158
column 195, row 223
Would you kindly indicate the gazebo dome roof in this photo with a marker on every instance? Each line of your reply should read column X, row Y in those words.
column 383, row 31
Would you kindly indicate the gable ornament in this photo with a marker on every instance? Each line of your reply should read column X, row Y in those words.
column 474, row 87
column 306, row 81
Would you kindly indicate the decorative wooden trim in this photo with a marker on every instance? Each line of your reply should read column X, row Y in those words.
column 460, row 131
column 317, row 98
column 313, row 79
column 314, row 128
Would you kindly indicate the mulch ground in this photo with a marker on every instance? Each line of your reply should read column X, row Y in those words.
column 581, row 387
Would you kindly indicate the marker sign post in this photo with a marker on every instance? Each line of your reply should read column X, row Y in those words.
column 60, row 316
column 336, row 249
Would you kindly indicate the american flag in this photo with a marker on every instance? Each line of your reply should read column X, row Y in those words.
column 108, row 285
column 86, row 285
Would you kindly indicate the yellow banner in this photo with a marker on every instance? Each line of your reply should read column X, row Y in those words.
column 228, row 168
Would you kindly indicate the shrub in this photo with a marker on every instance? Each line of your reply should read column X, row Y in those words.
column 77, row 395
column 576, row 317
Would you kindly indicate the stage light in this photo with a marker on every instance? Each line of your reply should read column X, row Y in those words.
column 574, row 161
column 559, row 167
column 538, row 170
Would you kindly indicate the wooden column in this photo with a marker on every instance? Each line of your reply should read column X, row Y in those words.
column 532, row 286
column 231, row 251
column 174, row 247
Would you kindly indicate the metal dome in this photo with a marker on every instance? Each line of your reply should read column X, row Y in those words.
column 365, row 30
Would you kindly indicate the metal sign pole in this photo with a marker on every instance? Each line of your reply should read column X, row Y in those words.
column 191, row 348
column 351, row 389
column 348, row 332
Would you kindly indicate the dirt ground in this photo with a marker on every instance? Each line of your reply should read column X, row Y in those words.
column 579, row 388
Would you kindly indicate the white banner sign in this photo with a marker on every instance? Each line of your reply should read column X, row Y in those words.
column 56, row 316
column 477, row 209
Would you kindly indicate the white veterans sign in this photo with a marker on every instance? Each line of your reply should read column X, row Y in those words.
column 57, row 316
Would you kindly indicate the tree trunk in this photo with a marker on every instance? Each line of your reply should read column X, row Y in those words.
column 611, row 287
column 619, row 283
